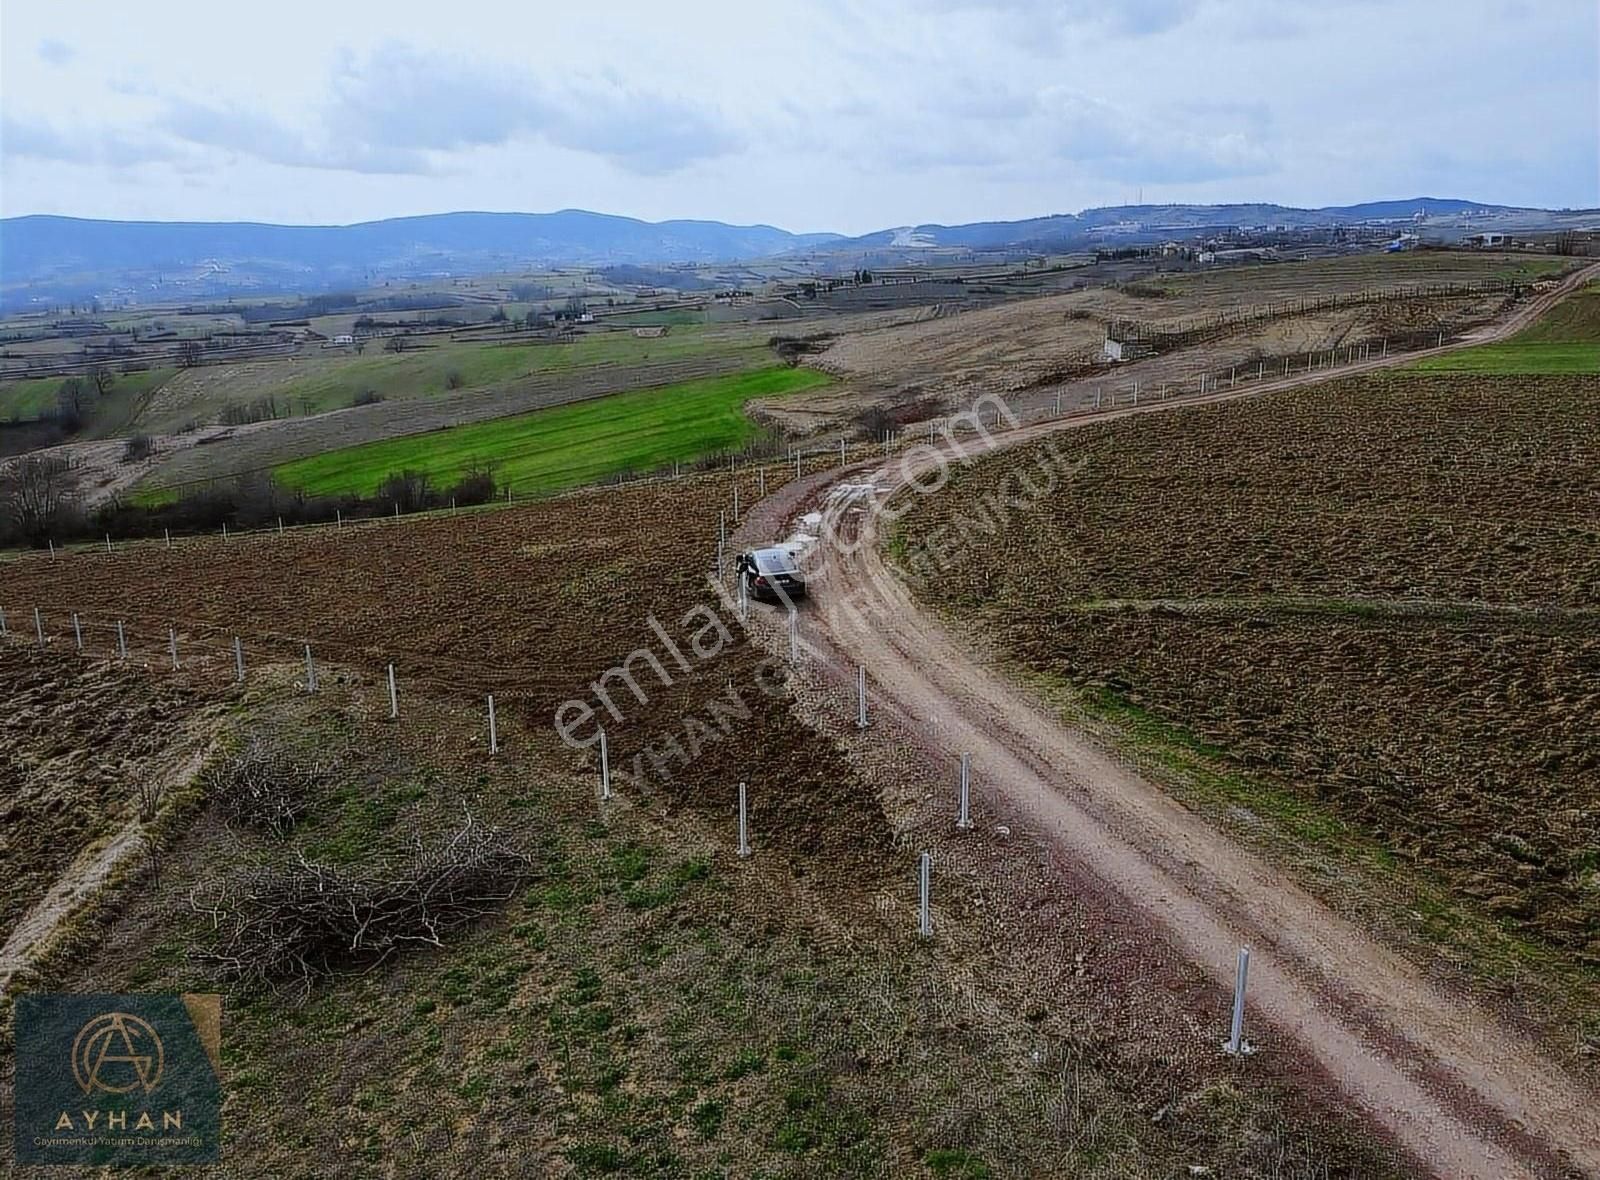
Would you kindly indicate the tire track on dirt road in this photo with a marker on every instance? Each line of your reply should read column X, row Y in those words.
column 1468, row 1096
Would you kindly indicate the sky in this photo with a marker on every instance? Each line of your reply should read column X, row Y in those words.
column 842, row 115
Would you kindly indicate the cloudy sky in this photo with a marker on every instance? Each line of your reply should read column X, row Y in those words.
column 846, row 115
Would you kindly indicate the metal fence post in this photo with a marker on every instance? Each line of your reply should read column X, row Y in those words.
column 1235, row 1043
column 172, row 642
column 861, row 696
column 744, row 830
column 925, row 919
column 494, row 731
column 77, row 631
column 394, row 698
column 605, row 767
column 964, row 818
column 238, row 660
column 122, row 642
column 38, row 626
column 311, row 671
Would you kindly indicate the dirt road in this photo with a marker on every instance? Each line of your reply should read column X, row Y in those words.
column 1467, row 1095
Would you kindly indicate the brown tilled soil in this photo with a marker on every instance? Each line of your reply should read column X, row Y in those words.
column 1383, row 594
column 76, row 739
column 649, row 1005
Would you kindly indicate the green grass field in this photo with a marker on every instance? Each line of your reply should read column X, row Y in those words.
column 569, row 445
column 1517, row 356
column 332, row 379
column 1565, row 340
column 425, row 371
column 36, row 396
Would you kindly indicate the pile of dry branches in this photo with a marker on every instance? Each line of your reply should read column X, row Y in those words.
column 295, row 923
column 266, row 786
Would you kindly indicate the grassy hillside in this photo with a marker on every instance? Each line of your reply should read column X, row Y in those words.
column 1565, row 340
column 332, row 379
column 569, row 445
column 36, row 396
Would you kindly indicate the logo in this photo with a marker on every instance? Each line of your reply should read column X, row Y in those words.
column 118, row 1053
column 117, row 1080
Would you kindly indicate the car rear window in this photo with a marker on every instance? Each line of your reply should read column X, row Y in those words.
column 774, row 561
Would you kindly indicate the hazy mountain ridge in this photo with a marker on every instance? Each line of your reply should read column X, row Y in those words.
column 46, row 256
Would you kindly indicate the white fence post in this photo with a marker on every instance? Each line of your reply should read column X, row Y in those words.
column 77, row 631
column 494, row 730
column 122, row 642
column 224, row 530
column 172, row 642
column 794, row 635
column 108, row 542
column 736, row 503
column 744, row 828
column 238, row 660
column 168, row 534
column 394, row 697
column 797, row 462
column 311, row 671
column 1058, row 403
column 925, row 918
column 841, row 452
column 964, row 817
column 861, row 696
column 52, row 544
column 605, row 767
column 38, row 626
column 761, row 482
column 2, row 621
column 1235, row 1043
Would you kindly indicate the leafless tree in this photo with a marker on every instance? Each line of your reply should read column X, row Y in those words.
column 103, row 379
column 72, row 403
column 36, row 497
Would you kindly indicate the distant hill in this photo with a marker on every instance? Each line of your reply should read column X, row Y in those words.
column 61, row 258
column 1139, row 224
column 66, row 255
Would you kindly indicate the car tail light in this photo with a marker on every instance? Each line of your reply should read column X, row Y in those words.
column 761, row 581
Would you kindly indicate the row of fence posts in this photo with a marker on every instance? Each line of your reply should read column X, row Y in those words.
column 1211, row 382
column 1206, row 383
column 1235, row 1044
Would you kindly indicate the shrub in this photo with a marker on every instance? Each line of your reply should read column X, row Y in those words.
column 140, row 446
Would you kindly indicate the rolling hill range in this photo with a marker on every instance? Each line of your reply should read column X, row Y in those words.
column 62, row 253
column 58, row 258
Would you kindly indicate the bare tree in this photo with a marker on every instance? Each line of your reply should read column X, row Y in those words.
column 36, row 497
column 72, row 403
column 189, row 353
column 395, row 344
column 103, row 379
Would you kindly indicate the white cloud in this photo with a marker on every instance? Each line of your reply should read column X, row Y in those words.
column 843, row 114
column 56, row 53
